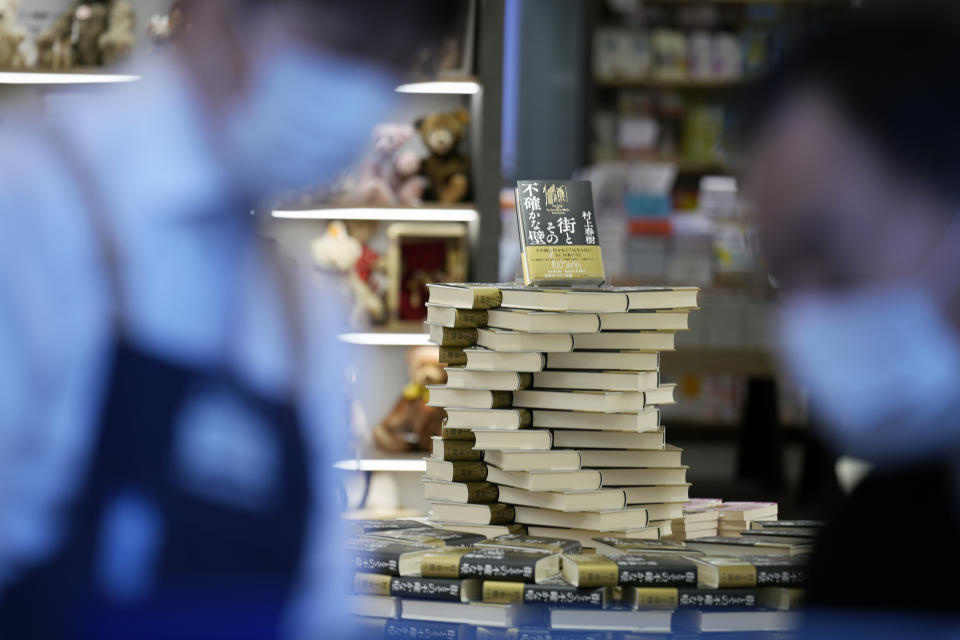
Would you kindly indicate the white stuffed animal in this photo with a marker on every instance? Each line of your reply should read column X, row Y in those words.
column 13, row 37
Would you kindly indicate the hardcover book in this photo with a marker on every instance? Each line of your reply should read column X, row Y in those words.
column 558, row 233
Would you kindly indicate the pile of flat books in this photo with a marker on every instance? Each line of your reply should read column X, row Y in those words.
column 552, row 401
column 710, row 517
column 413, row 580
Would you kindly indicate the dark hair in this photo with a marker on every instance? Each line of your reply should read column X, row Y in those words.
column 894, row 73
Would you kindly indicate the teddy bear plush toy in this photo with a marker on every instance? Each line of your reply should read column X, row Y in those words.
column 390, row 174
column 340, row 252
column 12, row 36
column 88, row 34
column 411, row 423
column 447, row 170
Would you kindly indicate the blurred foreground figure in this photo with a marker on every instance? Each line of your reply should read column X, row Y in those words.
column 169, row 391
column 856, row 178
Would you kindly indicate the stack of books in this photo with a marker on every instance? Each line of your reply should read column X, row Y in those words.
column 735, row 517
column 699, row 518
column 413, row 580
column 552, row 410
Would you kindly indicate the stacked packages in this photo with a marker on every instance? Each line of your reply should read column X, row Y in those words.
column 552, row 399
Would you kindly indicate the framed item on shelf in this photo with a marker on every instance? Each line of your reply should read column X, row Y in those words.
column 420, row 253
column 452, row 57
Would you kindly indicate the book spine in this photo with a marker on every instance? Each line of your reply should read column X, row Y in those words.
column 502, row 513
column 457, row 433
column 460, row 451
column 526, row 381
column 469, row 318
column 453, row 355
column 501, row 399
column 652, row 576
column 420, row 630
column 646, row 598
column 374, row 562
column 482, row 492
column 497, row 592
column 506, row 568
column 372, row 584
column 458, row 337
column 486, row 297
column 469, row 472
column 717, row 598
column 445, row 589
column 781, row 576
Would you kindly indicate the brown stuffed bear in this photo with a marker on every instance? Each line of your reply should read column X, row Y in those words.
column 446, row 169
column 411, row 423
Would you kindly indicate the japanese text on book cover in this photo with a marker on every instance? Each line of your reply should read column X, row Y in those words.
column 558, row 233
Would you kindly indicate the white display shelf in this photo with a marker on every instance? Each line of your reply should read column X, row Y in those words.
column 384, row 214
column 383, row 339
column 38, row 78
column 383, row 464
column 441, row 87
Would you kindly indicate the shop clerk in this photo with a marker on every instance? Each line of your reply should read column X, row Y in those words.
column 168, row 388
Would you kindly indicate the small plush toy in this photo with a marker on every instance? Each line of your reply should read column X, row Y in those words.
column 446, row 169
column 12, row 36
column 339, row 252
column 117, row 42
column 92, row 21
column 390, row 174
column 411, row 423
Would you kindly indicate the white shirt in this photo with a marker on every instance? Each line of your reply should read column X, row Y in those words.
column 197, row 287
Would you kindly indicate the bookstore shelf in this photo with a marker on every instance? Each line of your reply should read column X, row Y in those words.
column 466, row 213
column 412, row 463
column 451, row 86
column 36, row 78
column 678, row 83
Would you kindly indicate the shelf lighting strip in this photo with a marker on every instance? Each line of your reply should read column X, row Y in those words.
column 373, row 464
column 384, row 214
column 34, row 78
column 441, row 87
column 386, row 339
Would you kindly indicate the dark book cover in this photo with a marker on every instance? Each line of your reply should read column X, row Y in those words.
column 556, row 592
column 368, row 526
column 378, row 555
column 446, row 589
column 538, row 543
column 558, row 233
column 432, row 536
column 646, row 571
column 424, row 630
column 779, row 571
column 469, row 471
column 460, row 451
column 717, row 598
column 488, row 563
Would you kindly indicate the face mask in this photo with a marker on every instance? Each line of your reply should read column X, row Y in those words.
column 882, row 367
column 305, row 116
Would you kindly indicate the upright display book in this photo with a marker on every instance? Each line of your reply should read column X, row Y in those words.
column 558, row 233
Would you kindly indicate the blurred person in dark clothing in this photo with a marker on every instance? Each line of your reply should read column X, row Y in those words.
column 855, row 176
column 170, row 392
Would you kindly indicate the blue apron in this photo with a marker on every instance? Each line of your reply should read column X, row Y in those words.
column 183, row 527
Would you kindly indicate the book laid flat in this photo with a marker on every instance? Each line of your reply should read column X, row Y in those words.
column 746, row 511
column 595, row 570
column 659, row 510
column 545, row 480
column 645, row 321
column 522, row 439
column 451, row 471
column 493, row 513
column 603, row 361
column 445, row 589
column 642, row 477
column 646, row 420
column 516, row 341
column 599, row 381
column 486, row 530
column 660, row 493
column 456, row 433
column 595, row 500
column 603, row 458
column 574, row 439
column 378, row 555
column 465, row 296
column 454, row 318
column 611, row 620
column 737, row 621
column 475, row 492
column 625, row 340
column 753, row 571
column 599, row 401
column 373, row 606
column 544, row 321
column 535, row 543
column 610, row 520
column 430, row 537
column 545, row 299
column 555, row 592
column 442, row 396
column 747, row 546
column 616, row 546
column 559, row 244
column 473, row 613
column 459, row 378
column 585, row 536
column 680, row 597
column 489, row 418
column 781, row 598
column 361, row 526
column 490, row 563
column 486, row 360
column 555, row 460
